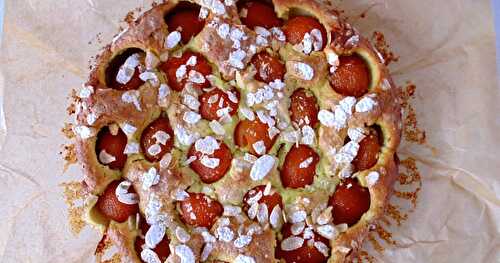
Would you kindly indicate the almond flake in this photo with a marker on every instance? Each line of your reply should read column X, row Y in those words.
column 129, row 129
column 303, row 70
column 272, row 131
column 191, row 102
column 372, row 178
column 154, row 149
column 203, row 13
column 106, row 158
column 180, row 72
column 244, row 259
column 333, row 60
column 224, row 234
column 325, row 216
column 326, row 118
column 276, row 217
column 352, row 41
column 184, row 136
column 85, row 92
column 207, row 145
column 207, row 249
column 191, row 117
column 189, row 160
column 154, row 235
column 236, row 57
column 208, row 162
column 321, row 247
column 231, row 210
column 347, row 153
column 216, row 127
column 249, row 158
column 262, row 31
column 261, row 41
column 259, row 147
column 308, row 135
column 356, row 134
column 308, row 233
column 278, row 34
column 232, row 97
column 196, row 77
column 247, row 113
column 215, row 6
column 180, row 194
column 327, row 231
column 182, row 235
column 262, row 167
column 124, row 196
column 207, row 237
column 262, row 213
column 151, row 60
column 163, row 92
column 298, row 216
column 306, row 45
column 132, row 96
column 291, row 136
column 386, row 85
column 306, row 163
column 149, row 256
column 317, row 39
column 185, row 254
column 91, row 118
column 131, row 148
column 172, row 39
column 365, row 104
column 151, row 77
column 242, row 241
column 292, row 243
column 255, row 198
column 252, row 211
column 267, row 189
column 223, row 30
column 298, row 228
column 346, row 170
column 150, row 178
column 126, row 71
column 161, row 137
column 83, row 132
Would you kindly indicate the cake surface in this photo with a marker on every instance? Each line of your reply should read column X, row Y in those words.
column 247, row 131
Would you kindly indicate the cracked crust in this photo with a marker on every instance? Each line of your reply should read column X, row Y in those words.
column 148, row 33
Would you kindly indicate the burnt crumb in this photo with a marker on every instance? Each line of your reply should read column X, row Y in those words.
column 67, row 130
column 381, row 45
column 74, row 193
column 411, row 132
column 69, row 155
column 99, row 37
column 129, row 17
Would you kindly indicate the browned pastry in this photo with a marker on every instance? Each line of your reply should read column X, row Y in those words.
column 249, row 131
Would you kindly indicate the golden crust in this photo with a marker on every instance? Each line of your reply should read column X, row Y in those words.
column 148, row 33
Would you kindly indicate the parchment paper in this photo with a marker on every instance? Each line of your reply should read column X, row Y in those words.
column 447, row 49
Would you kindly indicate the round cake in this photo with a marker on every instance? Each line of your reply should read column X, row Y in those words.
column 238, row 131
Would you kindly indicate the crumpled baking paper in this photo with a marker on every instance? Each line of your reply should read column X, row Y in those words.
column 446, row 49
